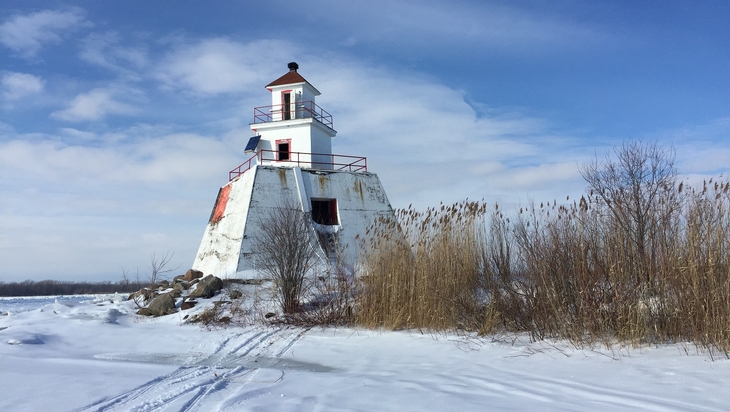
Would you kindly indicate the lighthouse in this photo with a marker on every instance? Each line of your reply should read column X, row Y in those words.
column 291, row 163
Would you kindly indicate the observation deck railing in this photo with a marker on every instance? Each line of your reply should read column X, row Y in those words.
column 301, row 159
column 299, row 110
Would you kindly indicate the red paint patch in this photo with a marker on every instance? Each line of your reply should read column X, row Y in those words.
column 220, row 204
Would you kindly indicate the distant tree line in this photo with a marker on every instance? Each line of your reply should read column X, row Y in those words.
column 55, row 287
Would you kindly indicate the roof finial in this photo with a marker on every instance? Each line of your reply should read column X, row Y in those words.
column 293, row 66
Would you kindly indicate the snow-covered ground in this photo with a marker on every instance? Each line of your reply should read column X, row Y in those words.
column 99, row 356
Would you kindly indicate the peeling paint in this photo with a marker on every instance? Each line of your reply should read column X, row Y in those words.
column 221, row 201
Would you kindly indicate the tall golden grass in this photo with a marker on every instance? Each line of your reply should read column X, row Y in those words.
column 556, row 271
column 422, row 269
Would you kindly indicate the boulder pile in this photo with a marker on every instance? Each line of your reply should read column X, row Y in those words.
column 165, row 298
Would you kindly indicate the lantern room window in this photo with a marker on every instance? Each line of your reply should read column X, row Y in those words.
column 286, row 106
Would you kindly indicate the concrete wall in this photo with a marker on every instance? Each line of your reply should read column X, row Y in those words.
column 360, row 200
column 221, row 244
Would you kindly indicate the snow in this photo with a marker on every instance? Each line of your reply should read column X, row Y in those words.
column 87, row 354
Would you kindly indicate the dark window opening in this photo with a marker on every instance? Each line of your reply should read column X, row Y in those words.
column 287, row 106
column 283, row 150
column 324, row 211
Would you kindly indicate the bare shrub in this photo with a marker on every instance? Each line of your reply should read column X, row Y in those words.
column 286, row 252
column 331, row 303
column 637, row 189
column 158, row 266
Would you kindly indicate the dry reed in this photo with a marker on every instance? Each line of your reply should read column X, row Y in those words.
column 422, row 269
column 561, row 271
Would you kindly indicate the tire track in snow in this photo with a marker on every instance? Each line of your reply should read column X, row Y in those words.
column 199, row 385
column 180, row 375
column 216, row 398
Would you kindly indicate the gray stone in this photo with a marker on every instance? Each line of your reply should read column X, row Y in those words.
column 235, row 294
column 144, row 312
column 162, row 305
column 163, row 284
column 144, row 293
column 181, row 286
column 207, row 287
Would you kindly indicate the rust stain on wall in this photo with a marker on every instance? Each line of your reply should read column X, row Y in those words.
column 322, row 183
column 220, row 204
column 358, row 189
column 282, row 176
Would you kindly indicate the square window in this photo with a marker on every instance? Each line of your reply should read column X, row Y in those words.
column 324, row 211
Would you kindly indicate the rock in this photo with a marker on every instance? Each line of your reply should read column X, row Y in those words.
column 144, row 293
column 188, row 304
column 175, row 293
column 207, row 287
column 180, row 286
column 192, row 274
column 164, row 304
column 163, row 284
column 269, row 315
column 235, row 294
column 144, row 312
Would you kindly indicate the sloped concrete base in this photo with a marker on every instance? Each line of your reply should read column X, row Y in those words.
column 228, row 245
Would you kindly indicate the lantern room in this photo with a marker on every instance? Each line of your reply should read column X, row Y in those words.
column 293, row 130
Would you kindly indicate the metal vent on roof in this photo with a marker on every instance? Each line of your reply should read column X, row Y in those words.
column 252, row 143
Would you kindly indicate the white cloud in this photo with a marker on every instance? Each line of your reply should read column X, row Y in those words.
column 99, row 204
column 93, row 106
column 701, row 149
column 105, row 50
column 19, row 85
column 79, row 135
column 457, row 25
column 219, row 65
column 132, row 160
column 26, row 34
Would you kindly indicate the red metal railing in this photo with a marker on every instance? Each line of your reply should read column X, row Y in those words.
column 299, row 110
column 309, row 160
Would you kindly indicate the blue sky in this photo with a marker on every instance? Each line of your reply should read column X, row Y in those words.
column 120, row 120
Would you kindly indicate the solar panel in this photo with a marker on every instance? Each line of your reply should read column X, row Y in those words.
column 252, row 143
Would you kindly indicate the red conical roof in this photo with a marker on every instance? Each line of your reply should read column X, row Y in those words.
column 289, row 78
column 292, row 77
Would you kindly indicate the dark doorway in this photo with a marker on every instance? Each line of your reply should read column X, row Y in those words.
column 287, row 106
column 282, row 149
column 324, row 211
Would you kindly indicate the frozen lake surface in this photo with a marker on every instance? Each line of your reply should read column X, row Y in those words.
column 27, row 303
column 94, row 354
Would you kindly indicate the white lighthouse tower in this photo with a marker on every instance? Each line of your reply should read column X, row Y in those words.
column 291, row 163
